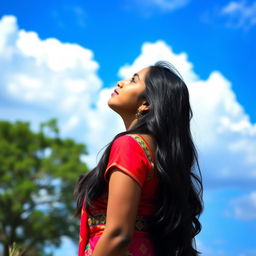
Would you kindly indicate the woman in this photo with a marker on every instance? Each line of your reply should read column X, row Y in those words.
column 144, row 197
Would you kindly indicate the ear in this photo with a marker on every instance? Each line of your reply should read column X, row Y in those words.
column 144, row 106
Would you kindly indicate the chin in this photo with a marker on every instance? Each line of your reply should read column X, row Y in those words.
column 114, row 107
column 110, row 104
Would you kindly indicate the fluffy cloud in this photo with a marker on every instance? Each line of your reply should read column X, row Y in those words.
column 152, row 52
column 46, row 77
column 240, row 14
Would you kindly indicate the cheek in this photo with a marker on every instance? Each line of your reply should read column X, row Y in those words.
column 126, row 101
column 131, row 98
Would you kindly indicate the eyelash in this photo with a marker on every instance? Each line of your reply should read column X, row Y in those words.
column 132, row 80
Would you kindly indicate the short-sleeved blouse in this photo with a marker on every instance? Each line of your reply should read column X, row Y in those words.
column 132, row 158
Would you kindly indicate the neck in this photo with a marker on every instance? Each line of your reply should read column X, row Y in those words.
column 129, row 121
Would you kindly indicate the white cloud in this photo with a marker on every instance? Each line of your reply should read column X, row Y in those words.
column 244, row 207
column 240, row 14
column 47, row 69
column 151, row 52
column 49, row 77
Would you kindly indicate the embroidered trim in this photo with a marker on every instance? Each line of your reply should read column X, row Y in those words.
column 140, row 223
column 146, row 142
column 147, row 152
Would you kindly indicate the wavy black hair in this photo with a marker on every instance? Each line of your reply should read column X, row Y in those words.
column 175, row 223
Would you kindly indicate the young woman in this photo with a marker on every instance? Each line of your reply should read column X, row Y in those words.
column 144, row 197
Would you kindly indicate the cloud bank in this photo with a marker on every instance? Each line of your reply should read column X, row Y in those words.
column 49, row 78
column 43, row 78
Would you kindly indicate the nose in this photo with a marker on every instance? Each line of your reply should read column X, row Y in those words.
column 120, row 84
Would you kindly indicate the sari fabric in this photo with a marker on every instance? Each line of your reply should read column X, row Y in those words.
column 132, row 155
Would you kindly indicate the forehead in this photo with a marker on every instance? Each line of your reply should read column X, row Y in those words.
column 143, row 72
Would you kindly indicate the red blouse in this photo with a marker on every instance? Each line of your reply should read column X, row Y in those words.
column 130, row 157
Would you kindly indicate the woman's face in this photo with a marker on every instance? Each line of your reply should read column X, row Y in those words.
column 126, row 100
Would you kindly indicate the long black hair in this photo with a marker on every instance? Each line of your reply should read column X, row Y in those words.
column 175, row 223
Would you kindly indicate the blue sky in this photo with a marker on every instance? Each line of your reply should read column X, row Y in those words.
column 62, row 59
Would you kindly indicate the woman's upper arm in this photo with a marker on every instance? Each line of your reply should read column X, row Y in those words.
column 123, row 200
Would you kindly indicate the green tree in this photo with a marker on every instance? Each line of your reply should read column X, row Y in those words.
column 38, row 171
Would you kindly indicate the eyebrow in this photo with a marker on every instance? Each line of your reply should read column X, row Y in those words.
column 137, row 75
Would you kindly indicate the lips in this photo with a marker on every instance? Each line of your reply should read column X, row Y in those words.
column 114, row 93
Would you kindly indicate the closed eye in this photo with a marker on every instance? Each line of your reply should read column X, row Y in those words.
column 132, row 80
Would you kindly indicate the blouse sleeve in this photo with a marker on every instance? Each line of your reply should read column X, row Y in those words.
column 127, row 155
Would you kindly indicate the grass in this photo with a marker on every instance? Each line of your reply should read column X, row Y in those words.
column 14, row 250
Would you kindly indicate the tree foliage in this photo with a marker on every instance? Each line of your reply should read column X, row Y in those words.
column 38, row 171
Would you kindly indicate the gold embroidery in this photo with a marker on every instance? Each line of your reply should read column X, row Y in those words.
column 100, row 220
column 147, row 152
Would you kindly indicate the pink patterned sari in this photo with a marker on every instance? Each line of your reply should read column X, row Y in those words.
column 140, row 245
